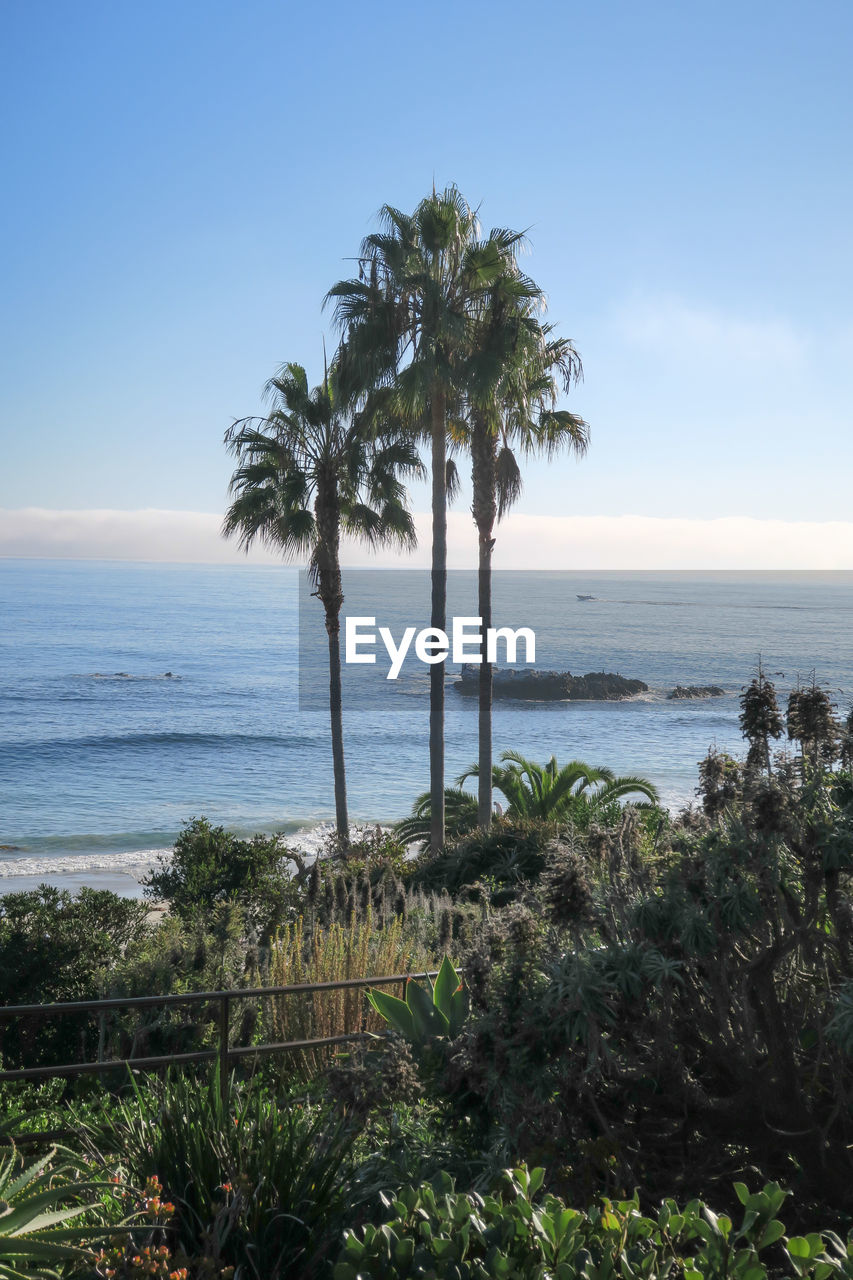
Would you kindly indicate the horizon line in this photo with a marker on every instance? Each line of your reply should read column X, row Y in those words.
column 390, row 568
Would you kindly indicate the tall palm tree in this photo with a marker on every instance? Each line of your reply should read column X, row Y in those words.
column 406, row 317
column 307, row 472
column 514, row 372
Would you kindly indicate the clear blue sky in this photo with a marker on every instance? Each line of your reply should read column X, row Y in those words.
column 184, row 181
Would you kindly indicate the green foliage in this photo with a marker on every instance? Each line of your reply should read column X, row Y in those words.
column 256, row 1182
column 213, row 951
column 312, row 469
column 53, row 946
column 369, row 851
column 575, row 792
column 210, row 865
column 720, row 783
column 682, row 1010
column 57, row 947
column 41, row 1205
column 510, row 853
column 811, row 722
column 424, row 1015
column 516, row 1231
column 460, row 817
column 760, row 720
column 404, row 1142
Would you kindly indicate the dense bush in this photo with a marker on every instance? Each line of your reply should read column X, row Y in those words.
column 57, row 947
column 499, row 860
column 515, row 1232
column 672, row 1016
column 210, row 865
column 257, row 1183
column 208, row 952
column 371, row 851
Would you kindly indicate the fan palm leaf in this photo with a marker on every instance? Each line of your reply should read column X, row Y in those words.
column 312, row 469
column 408, row 318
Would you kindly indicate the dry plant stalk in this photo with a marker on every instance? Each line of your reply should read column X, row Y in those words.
column 333, row 955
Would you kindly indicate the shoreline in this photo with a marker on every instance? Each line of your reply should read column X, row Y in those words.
column 121, row 872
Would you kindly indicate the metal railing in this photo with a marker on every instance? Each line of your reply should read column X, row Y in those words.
column 226, row 1054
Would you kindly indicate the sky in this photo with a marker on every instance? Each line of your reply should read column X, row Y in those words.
column 184, row 182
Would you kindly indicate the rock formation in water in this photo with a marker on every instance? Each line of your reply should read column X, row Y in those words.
column 696, row 691
column 551, row 686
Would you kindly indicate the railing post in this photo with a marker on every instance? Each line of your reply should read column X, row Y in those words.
column 223, row 1047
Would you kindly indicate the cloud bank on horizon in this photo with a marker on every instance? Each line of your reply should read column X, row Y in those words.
column 523, row 542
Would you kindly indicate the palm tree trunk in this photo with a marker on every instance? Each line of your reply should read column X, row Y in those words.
column 484, row 719
column 438, row 619
column 330, row 590
column 484, row 510
column 333, row 627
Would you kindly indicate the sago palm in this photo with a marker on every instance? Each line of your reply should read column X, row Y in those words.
column 514, row 372
column 407, row 318
column 307, row 472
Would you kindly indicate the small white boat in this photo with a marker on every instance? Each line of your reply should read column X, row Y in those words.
column 580, row 597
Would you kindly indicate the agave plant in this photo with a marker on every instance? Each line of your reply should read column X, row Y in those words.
column 38, row 1204
column 425, row 1014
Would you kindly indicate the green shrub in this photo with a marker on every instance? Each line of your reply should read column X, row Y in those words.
column 214, row 951
column 372, row 851
column 425, row 1013
column 210, row 865
column 57, row 947
column 257, row 1183
column 506, row 857
column 516, row 1233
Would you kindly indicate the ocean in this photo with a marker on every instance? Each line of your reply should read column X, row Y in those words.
column 136, row 696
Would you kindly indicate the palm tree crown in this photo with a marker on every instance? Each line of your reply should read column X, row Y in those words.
column 312, row 470
column 422, row 282
column 552, row 791
column 515, row 369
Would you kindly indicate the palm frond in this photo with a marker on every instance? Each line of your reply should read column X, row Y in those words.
column 451, row 480
column 508, row 481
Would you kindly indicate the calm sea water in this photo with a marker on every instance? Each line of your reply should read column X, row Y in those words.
column 103, row 754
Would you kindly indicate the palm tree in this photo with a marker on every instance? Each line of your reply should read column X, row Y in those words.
column 514, row 372
column 308, row 471
column 552, row 791
column 576, row 791
column 460, row 809
column 407, row 317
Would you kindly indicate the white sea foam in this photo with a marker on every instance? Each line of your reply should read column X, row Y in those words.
column 138, row 862
column 135, row 863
